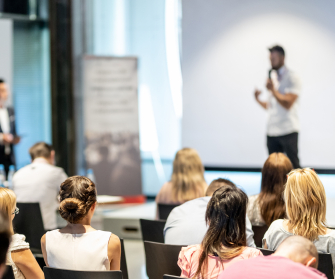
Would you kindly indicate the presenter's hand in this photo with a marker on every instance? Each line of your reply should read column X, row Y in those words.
column 269, row 85
column 257, row 93
column 16, row 140
column 7, row 138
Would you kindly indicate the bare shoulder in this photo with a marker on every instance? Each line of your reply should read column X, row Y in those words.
column 114, row 241
column 43, row 239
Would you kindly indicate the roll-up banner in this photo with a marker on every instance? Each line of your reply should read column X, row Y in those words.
column 111, row 124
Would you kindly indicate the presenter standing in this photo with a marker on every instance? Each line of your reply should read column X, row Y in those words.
column 282, row 106
column 8, row 135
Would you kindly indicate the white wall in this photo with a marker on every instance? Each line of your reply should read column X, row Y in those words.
column 6, row 47
column 225, row 57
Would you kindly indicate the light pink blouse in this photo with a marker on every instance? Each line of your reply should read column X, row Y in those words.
column 165, row 194
column 188, row 261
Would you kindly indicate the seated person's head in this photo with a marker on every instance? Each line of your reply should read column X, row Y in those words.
column 300, row 250
column 226, row 220
column 187, row 176
column 274, row 177
column 216, row 184
column 78, row 198
column 5, row 236
column 8, row 206
column 42, row 150
column 305, row 200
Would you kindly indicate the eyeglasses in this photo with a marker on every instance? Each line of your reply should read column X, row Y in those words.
column 16, row 211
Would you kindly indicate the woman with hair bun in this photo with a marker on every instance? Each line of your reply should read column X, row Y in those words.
column 78, row 246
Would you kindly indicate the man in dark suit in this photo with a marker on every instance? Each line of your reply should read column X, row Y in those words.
column 8, row 136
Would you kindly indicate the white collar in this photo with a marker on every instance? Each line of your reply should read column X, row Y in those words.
column 281, row 70
column 40, row 160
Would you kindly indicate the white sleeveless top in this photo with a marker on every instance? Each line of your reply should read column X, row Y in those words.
column 17, row 243
column 87, row 251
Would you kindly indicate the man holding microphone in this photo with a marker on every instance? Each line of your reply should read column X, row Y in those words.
column 282, row 106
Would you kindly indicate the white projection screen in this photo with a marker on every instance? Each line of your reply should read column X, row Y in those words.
column 225, row 57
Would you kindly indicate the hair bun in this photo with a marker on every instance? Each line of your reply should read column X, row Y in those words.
column 72, row 210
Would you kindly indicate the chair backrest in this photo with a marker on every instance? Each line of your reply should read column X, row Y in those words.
column 259, row 232
column 123, row 264
column 9, row 274
column 161, row 259
column 166, row 276
column 40, row 260
column 164, row 210
column 29, row 223
column 55, row 273
column 266, row 252
column 326, row 265
column 152, row 230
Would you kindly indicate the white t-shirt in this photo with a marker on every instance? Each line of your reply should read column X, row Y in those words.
column 282, row 121
column 40, row 182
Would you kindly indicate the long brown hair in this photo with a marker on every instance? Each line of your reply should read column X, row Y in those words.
column 274, row 176
column 187, row 179
column 305, row 199
column 226, row 235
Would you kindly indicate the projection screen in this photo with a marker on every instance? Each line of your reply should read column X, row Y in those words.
column 225, row 57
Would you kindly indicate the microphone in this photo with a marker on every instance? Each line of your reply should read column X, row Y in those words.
column 270, row 73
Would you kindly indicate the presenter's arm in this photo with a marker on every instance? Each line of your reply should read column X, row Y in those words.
column 263, row 104
column 285, row 100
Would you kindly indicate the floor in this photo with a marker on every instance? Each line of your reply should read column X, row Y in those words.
column 135, row 259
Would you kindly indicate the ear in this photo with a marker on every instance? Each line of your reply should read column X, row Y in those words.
column 93, row 206
column 312, row 262
column 52, row 156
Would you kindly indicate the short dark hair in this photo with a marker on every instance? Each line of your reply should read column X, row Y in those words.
column 218, row 183
column 40, row 149
column 278, row 49
column 5, row 237
column 2, row 80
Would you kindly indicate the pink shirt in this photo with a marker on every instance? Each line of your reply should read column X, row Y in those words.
column 189, row 259
column 277, row 267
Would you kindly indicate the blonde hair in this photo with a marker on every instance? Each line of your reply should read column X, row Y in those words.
column 187, row 179
column 305, row 200
column 7, row 204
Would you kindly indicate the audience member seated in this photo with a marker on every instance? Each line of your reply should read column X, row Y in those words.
column 186, row 224
column 305, row 200
column 39, row 182
column 5, row 236
column 78, row 246
column 187, row 181
column 225, row 241
column 269, row 205
column 19, row 255
column 296, row 257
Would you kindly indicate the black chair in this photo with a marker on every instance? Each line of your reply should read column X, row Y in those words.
column 152, row 230
column 123, row 264
column 259, row 232
column 166, row 276
column 40, row 260
column 9, row 274
column 161, row 259
column 55, row 273
column 29, row 222
column 326, row 265
column 164, row 210
column 266, row 252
